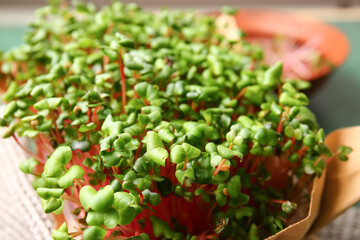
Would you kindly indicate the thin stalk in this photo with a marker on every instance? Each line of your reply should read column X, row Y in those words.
column 75, row 234
column 217, row 170
column 277, row 201
column 26, row 150
column 123, row 83
column 138, row 151
column 241, row 93
column 186, row 161
column 77, row 181
column 71, row 198
column 58, row 136
column 47, row 146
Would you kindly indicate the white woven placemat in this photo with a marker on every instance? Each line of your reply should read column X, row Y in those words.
column 345, row 227
column 21, row 214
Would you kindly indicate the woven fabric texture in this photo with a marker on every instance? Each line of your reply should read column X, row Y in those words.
column 345, row 227
column 21, row 214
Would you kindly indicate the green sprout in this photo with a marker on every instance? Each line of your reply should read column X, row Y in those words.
column 157, row 127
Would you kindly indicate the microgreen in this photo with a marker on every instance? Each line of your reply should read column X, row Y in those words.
column 156, row 126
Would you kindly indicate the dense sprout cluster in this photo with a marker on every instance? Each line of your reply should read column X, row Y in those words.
column 156, row 126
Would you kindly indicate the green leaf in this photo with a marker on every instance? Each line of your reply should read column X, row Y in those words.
column 215, row 160
column 52, row 204
column 31, row 133
column 288, row 207
column 181, row 175
column 86, row 194
column 94, row 233
column 151, row 197
column 309, row 140
column 166, row 135
column 146, row 90
column 246, row 122
column 234, row 186
column 272, row 76
column 107, row 143
column 161, row 228
column 87, row 127
column 111, row 158
column 344, row 150
column 141, row 165
column 27, row 166
column 83, row 145
column 109, row 218
column 103, row 199
column 125, row 41
column 320, row 135
column 228, row 153
column 126, row 215
column 309, row 167
column 191, row 152
column 10, row 109
column 142, row 236
column 45, row 182
column 177, row 154
column 55, row 165
column 111, row 127
column 300, row 99
column 256, row 149
column 111, row 53
column 159, row 155
column 253, row 232
column 116, row 185
column 261, row 136
column 130, row 176
column 155, row 148
column 203, row 176
column 46, row 193
column 12, row 89
column 221, row 199
column 61, row 233
column 153, row 141
column 94, row 218
column 67, row 179
column 50, row 103
column 294, row 111
column 142, row 183
column 243, row 212
column 121, row 144
column 122, row 200
column 254, row 94
column 211, row 147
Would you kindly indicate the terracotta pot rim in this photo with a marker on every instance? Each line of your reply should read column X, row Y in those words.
column 335, row 46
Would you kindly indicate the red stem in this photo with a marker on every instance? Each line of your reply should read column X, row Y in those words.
column 255, row 164
column 123, row 82
column 26, row 150
column 219, row 167
column 138, row 151
column 277, row 201
column 184, row 167
column 58, row 136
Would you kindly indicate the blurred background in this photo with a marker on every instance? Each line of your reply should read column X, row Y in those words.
column 13, row 12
